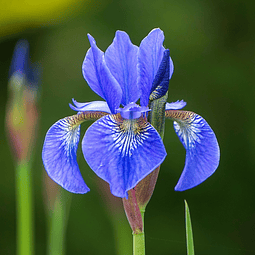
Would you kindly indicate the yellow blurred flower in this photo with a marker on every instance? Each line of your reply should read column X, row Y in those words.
column 18, row 15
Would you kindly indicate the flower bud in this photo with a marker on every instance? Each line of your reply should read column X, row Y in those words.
column 21, row 110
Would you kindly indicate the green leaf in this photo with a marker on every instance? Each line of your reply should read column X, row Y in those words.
column 58, row 220
column 189, row 234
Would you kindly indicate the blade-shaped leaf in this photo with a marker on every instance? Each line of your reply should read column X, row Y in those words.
column 189, row 234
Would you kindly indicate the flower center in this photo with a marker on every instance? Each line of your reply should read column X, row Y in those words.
column 132, row 111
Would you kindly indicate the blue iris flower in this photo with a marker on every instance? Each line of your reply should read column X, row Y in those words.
column 121, row 146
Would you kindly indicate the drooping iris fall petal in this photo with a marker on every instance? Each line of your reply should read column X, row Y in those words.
column 202, row 149
column 59, row 155
column 59, row 151
column 122, row 152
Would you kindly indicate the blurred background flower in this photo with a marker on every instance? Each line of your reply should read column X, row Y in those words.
column 21, row 126
column 18, row 16
column 21, row 108
column 212, row 47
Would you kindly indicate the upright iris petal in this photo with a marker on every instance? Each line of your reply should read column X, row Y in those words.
column 121, row 59
column 202, row 149
column 161, row 80
column 99, row 77
column 150, row 56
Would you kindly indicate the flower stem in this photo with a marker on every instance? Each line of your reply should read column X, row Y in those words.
column 24, row 208
column 138, row 244
column 139, row 239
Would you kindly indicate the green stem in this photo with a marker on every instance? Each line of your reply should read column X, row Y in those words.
column 139, row 239
column 142, row 210
column 138, row 244
column 58, row 223
column 24, row 208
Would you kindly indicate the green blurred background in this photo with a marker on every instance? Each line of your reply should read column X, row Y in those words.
column 212, row 44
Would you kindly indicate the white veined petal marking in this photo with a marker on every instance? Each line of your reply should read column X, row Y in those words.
column 59, row 151
column 188, row 126
column 69, row 134
column 127, row 134
column 69, row 129
column 202, row 148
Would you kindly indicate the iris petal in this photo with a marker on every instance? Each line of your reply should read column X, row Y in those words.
column 122, row 152
column 202, row 149
column 171, row 68
column 91, row 106
column 99, row 78
column 150, row 55
column 77, row 104
column 175, row 105
column 59, row 155
column 121, row 59
column 161, row 81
